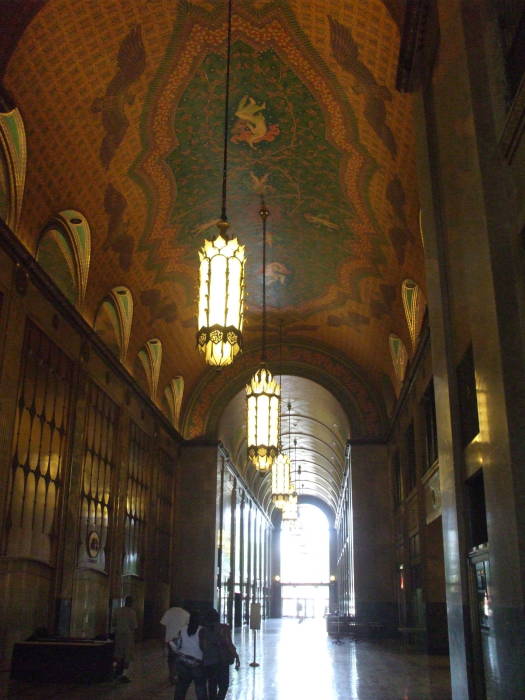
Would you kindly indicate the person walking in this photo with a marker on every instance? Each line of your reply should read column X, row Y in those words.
column 174, row 619
column 124, row 625
column 219, row 653
column 189, row 667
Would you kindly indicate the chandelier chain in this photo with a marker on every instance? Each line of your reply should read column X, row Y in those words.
column 263, row 212
column 226, row 111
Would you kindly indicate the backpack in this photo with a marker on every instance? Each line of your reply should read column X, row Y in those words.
column 227, row 651
column 219, row 648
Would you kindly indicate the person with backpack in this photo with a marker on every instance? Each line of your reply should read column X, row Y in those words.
column 189, row 666
column 219, row 653
column 174, row 619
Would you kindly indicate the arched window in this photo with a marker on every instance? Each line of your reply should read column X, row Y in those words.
column 64, row 251
column 113, row 321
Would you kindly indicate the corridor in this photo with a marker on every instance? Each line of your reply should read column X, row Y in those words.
column 297, row 660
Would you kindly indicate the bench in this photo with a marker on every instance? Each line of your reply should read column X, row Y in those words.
column 63, row 660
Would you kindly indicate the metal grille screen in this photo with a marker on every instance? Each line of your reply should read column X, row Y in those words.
column 40, row 447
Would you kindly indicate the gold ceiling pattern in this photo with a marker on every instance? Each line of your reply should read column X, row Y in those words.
column 111, row 95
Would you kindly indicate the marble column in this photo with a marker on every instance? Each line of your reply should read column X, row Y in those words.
column 195, row 555
column 372, row 535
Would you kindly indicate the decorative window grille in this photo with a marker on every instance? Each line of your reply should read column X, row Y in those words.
column 164, row 504
column 136, row 498
column 97, row 474
column 40, row 448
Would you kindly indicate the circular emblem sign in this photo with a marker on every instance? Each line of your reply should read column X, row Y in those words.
column 93, row 544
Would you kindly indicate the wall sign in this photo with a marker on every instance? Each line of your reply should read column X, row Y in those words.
column 93, row 544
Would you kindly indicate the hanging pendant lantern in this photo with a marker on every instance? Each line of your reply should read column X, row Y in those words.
column 263, row 419
column 221, row 272
column 282, row 489
column 221, row 297
column 263, row 394
column 281, row 483
column 291, row 508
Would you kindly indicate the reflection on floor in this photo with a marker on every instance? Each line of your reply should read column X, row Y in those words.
column 297, row 660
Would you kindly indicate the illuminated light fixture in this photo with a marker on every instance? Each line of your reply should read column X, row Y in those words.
column 281, row 484
column 221, row 272
column 263, row 393
column 291, row 508
column 281, row 477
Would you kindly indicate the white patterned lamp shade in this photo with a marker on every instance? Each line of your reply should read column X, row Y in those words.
column 281, row 482
column 221, row 299
column 263, row 394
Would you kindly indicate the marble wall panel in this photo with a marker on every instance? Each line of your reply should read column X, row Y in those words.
column 90, row 608
column 135, row 587
column 25, row 588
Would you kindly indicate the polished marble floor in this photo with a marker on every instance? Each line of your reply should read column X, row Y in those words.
column 297, row 661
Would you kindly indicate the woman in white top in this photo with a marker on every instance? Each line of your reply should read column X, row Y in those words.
column 173, row 620
column 189, row 660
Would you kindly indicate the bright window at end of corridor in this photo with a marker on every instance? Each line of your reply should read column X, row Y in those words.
column 305, row 565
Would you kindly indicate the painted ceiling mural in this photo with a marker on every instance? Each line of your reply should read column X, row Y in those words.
column 123, row 106
column 279, row 148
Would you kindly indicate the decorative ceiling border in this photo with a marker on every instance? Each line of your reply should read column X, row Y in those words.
column 366, row 414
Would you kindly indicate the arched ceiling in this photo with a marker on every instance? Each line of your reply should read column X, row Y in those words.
column 316, row 420
column 123, row 105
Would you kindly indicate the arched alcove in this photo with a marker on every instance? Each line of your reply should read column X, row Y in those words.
column 147, row 366
column 113, row 320
column 172, row 399
column 399, row 355
column 13, row 162
column 64, row 251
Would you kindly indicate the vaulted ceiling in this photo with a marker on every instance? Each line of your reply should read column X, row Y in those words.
column 123, row 108
column 314, row 431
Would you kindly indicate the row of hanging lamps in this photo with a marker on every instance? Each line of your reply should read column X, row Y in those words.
column 281, row 477
column 221, row 273
column 263, row 392
column 290, row 510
